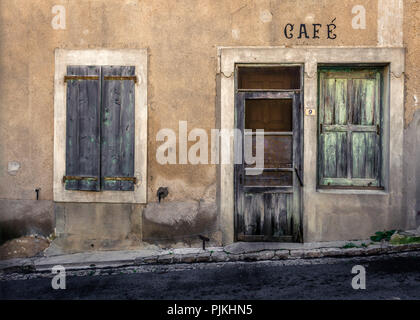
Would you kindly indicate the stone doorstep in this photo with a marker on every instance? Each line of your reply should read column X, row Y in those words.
column 113, row 259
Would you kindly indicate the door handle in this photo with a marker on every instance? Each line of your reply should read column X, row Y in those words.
column 298, row 176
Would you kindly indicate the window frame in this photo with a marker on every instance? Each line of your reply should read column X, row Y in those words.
column 123, row 57
column 379, row 182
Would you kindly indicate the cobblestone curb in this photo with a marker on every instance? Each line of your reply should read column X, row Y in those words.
column 245, row 253
column 266, row 255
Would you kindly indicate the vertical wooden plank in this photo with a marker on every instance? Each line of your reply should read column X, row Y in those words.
column 127, row 133
column 111, row 97
column 321, row 97
column 292, row 225
column 253, row 207
column 282, row 212
column 358, row 155
column 269, row 214
column 72, row 133
column 341, row 154
column 89, row 132
column 350, row 102
column 118, row 128
column 329, row 154
column 371, row 152
column 275, row 214
column 82, row 128
column 368, row 112
column 247, row 219
column 240, row 204
column 329, row 101
column 340, row 98
column 356, row 101
column 378, row 122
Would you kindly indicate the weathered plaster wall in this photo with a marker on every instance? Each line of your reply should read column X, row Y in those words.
column 412, row 172
column 412, row 45
column 25, row 217
column 181, row 37
column 93, row 226
column 412, row 113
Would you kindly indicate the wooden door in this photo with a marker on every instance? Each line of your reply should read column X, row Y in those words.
column 268, row 205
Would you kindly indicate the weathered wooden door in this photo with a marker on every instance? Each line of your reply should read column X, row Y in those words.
column 268, row 205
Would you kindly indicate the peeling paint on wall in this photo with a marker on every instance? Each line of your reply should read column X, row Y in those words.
column 235, row 34
column 13, row 167
column 265, row 16
column 390, row 23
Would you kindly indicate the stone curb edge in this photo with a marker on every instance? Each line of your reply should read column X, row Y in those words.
column 281, row 254
column 30, row 265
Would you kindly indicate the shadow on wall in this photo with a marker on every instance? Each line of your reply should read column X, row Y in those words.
column 180, row 222
column 25, row 217
column 411, row 158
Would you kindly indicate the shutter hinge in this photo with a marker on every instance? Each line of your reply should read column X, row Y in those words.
column 378, row 130
column 133, row 179
column 134, row 78
column 65, row 178
column 321, row 128
column 67, row 78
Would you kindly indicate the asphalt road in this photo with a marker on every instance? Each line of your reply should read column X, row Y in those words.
column 387, row 277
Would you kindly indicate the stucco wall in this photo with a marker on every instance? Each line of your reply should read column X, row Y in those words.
column 181, row 38
column 412, row 44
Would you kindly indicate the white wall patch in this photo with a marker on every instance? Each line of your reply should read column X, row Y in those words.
column 390, row 23
column 266, row 16
column 13, row 167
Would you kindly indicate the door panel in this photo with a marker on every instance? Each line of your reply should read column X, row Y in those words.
column 269, row 114
column 269, row 179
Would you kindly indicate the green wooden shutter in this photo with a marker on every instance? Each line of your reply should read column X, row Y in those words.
column 117, row 132
column 349, row 128
column 82, row 128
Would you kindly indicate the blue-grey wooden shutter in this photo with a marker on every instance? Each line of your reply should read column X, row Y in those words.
column 350, row 128
column 117, row 132
column 82, row 128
